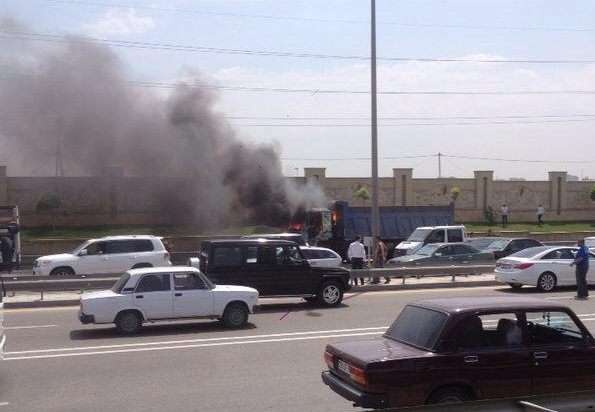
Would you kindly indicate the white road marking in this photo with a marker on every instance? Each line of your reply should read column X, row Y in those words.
column 200, row 345
column 176, row 342
column 29, row 327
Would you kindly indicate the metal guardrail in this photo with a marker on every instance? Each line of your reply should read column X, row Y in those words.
column 567, row 402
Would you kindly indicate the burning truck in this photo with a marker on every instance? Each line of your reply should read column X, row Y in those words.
column 338, row 224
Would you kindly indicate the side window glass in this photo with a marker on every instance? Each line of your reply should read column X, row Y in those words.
column 567, row 254
column 515, row 245
column 455, row 235
column 97, row 248
column 554, row 254
column 143, row 245
column 158, row 282
column 461, row 250
column 491, row 330
column 188, row 281
column 227, row 256
column 125, row 246
column 437, row 236
column 288, row 255
column 251, row 255
column 546, row 327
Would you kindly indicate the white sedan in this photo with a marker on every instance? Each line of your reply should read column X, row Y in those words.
column 545, row 267
column 321, row 256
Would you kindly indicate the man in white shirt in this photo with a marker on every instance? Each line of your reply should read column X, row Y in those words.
column 357, row 253
column 540, row 213
column 504, row 213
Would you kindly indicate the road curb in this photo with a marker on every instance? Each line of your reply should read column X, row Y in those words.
column 354, row 289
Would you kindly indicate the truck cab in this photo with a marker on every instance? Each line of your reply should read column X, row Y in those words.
column 422, row 236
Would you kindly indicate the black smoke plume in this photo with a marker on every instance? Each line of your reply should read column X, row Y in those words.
column 80, row 93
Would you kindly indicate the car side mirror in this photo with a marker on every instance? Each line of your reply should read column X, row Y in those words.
column 83, row 252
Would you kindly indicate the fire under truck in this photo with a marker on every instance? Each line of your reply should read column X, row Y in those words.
column 338, row 224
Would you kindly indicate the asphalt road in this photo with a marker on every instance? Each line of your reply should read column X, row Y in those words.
column 54, row 363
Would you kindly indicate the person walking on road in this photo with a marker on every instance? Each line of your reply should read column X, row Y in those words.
column 357, row 253
column 581, row 260
column 504, row 213
column 380, row 252
column 540, row 213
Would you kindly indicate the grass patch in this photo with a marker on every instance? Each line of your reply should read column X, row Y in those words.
column 577, row 226
column 88, row 232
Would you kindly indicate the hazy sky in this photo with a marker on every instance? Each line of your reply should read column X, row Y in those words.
column 320, row 107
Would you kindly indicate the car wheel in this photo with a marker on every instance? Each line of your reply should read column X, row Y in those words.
column 235, row 316
column 515, row 286
column 129, row 322
column 451, row 394
column 330, row 294
column 62, row 271
column 546, row 282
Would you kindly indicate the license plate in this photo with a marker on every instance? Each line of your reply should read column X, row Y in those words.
column 505, row 266
column 343, row 366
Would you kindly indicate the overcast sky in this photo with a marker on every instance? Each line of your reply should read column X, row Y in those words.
column 322, row 111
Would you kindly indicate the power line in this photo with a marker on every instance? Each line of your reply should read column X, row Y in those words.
column 54, row 38
column 314, row 19
column 493, row 159
column 163, row 85
column 415, row 124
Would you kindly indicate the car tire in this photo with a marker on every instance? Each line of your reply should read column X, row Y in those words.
column 449, row 394
column 516, row 286
column 62, row 271
column 235, row 316
column 330, row 294
column 547, row 282
column 129, row 322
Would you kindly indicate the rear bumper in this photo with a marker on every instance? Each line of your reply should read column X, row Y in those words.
column 84, row 318
column 353, row 394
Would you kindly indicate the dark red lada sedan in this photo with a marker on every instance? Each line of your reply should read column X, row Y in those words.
column 460, row 349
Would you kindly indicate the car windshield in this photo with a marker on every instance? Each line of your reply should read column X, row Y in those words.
column 81, row 247
column 590, row 243
column 117, row 288
column 498, row 244
column 427, row 250
column 419, row 235
column 417, row 326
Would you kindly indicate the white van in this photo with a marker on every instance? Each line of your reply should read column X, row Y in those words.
column 430, row 234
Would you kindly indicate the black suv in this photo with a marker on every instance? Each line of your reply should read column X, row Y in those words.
column 273, row 267
column 503, row 247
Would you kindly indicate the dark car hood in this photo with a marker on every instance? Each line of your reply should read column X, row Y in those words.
column 408, row 259
column 329, row 270
column 375, row 350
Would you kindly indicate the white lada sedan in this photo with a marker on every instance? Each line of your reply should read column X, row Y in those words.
column 167, row 293
column 545, row 267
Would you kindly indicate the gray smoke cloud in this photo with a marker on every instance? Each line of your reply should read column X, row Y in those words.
column 79, row 93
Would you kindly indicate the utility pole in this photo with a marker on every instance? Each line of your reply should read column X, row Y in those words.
column 375, row 210
column 439, row 165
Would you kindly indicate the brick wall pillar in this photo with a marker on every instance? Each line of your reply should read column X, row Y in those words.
column 484, row 179
column 316, row 174
column 402, row 187
column 557, row 191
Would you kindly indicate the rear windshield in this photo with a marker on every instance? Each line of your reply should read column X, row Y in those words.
column 530, row 252
column 498, row 244
column 117, row 288
column 417, row 326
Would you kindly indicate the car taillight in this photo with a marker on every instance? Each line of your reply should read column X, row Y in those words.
column 166, row 255
column 357, row 375
column 523, row 265
column 328, row 359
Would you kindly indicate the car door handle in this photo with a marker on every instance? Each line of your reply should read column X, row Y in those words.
column 178, row 294
column 471, row 359
column 540, row 355
column 139, row 296
column 132, row 257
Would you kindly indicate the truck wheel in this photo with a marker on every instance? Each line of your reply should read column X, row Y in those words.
column 546, row 282
column 330, row 294
column 449, row 394
column 129, row 322
column 235, row 316
column 62, row 271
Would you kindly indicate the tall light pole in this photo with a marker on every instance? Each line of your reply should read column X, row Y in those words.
column 375, row 211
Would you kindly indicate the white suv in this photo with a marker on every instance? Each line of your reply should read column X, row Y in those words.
column 110, row 254
column 154, row 294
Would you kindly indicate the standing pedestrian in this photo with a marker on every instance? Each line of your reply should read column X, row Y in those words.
column 357, row 253
column 7, row 253
column 581, row 260
column 380, row 253
column 504, row 213
column 540, row 213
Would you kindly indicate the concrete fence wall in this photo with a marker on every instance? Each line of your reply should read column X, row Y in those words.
column 114, row 198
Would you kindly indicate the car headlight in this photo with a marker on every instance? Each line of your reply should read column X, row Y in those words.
column 44, row 262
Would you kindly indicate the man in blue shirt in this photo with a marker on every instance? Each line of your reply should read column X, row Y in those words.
column 581, row 260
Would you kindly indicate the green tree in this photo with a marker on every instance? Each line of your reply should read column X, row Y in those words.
column 454, row 193
column 49, row 203
column 490, row 215
column 592, row 193
column 364, row 194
